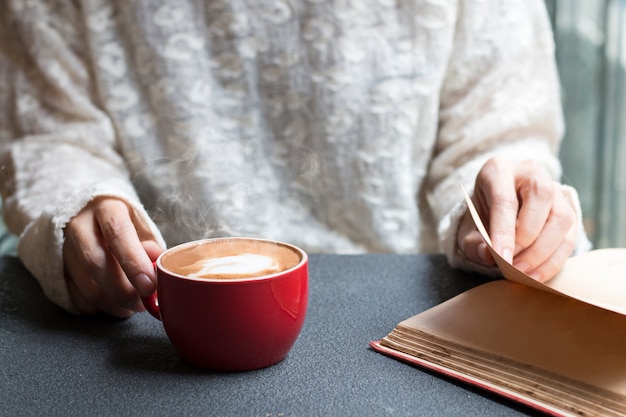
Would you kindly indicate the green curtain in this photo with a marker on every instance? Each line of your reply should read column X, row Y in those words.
column 591, row 56
column 8, row 241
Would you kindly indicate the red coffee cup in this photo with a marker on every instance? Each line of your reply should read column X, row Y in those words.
column 233, row 321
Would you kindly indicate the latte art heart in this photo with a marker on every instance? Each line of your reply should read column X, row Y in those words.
column 243, row 265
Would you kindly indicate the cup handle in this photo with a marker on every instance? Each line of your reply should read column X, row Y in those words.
column 151, row 302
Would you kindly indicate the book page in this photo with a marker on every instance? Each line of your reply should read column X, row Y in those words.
column 575, row 340
column 597, row 277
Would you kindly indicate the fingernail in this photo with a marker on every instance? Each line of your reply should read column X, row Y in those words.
column 144, row 284
column 522, row 266
column 507, row 255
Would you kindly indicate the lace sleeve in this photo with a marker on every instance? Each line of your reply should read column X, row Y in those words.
column 500, row 97
column 58, row 147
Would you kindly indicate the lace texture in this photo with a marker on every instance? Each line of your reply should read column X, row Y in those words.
column 340, row 126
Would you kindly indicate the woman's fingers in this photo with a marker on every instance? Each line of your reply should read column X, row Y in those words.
column 88, row 296
column 529, row 221
column 107, row 267
column 120, row 236
column 545, row 256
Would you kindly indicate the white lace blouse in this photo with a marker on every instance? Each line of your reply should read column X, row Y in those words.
column 340, row 126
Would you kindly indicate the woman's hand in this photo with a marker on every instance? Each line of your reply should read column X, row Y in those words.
column 530, row 222
column 108, row 258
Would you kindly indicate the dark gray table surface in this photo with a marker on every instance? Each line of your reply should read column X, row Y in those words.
column 55, row 364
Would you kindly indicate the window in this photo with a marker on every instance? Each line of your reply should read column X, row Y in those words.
column 591, row 55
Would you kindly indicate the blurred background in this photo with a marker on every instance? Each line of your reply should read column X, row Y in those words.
column 591, row 56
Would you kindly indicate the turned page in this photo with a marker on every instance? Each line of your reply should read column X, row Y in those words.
column 597, row 277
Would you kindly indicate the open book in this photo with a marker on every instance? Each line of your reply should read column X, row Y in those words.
column 559, row 347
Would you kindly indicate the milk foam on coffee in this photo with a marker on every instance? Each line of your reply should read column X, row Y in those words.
column 230, row 259
column 246, row 264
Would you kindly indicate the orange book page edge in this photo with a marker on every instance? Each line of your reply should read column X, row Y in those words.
column 512, row 395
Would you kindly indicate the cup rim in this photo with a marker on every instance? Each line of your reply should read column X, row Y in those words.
column 302, row 252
